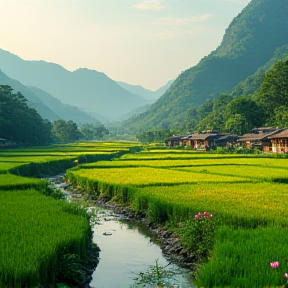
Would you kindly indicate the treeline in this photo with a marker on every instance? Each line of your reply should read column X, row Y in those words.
column 22, row 125
column 235, row 113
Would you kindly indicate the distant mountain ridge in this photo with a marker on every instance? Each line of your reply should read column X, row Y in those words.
column 249, row 42
column 87, row 89
column 146, row 93
column 46, row 105
column 66, row 112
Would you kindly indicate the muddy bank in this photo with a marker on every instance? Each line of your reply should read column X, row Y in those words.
column 168, row 241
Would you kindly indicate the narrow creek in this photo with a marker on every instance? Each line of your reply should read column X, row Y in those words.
column 127, row 248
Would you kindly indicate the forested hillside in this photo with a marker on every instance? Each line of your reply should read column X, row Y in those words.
column 267, row 106
column 249, row 43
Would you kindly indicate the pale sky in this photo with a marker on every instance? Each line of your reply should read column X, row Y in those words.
column 144, row 42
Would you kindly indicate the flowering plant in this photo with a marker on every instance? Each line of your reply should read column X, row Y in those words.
column 198, row 235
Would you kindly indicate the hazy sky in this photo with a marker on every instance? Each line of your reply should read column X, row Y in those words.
column 146, row 42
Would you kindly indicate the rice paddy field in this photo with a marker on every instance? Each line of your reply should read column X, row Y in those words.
column 36, row 230
column 247, row 194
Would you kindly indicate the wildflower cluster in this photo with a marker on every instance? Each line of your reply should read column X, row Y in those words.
column 276, row 264
column 203, row 215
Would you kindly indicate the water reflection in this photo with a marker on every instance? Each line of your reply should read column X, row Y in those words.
column 126, row 251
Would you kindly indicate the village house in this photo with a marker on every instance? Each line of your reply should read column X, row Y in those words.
column 202, row 141
column 259, row 138
column 174, row 141
column 212, row 139
column 279, row 142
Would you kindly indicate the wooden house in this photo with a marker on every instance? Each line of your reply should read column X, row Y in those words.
column 279, row 142
column 174, row 141
column 226, row 139
column 259, row 138
column 211, row 139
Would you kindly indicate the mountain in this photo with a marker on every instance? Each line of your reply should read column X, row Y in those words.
column 46, row 105
column 87, row 89
column 135, row 111
column 252, row 83
column 249, row 42
column 66, row 112
column 33, row 101
column 146, row 93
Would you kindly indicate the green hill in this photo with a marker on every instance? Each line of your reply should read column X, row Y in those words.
column 249, row 43
column 252, row 83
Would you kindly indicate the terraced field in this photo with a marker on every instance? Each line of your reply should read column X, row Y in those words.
column 247, row 194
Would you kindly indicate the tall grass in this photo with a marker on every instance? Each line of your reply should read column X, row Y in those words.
column 241, row 258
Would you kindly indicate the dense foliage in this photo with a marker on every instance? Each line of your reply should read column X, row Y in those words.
column 273, row 94
column 19, row 122
column 65, row 131
column 93, row 131
column 244, row 49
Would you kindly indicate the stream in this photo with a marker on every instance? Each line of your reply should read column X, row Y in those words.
column 127, row 249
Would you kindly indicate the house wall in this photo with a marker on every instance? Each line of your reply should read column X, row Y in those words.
column 280, row 145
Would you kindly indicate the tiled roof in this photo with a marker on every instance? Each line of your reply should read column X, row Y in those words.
column 282, row 134
column 227, row 137
column 204, row 136
column 175, row 138
column 259, row 134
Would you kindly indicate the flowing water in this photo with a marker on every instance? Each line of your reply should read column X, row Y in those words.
column 126, row 250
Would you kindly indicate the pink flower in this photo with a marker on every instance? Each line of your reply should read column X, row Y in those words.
column 285, row 275
column 274, row 264
column 197, row 216
column 211, row 215
column 205, row 214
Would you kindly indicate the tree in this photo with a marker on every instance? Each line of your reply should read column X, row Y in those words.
column 215, row 119
column 19, row 122
column 93, row 131
column 236, row 124
column 280, row 117
column 273, row 92
column 65, row 131
column 248, row 109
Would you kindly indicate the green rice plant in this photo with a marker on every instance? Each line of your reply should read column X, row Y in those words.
column 242, row 257
column 241, row 205
column 260, row 173
column 5, row 166
column 184, row 155
column 10, row 181
column 145, row 176
column 35, row 230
